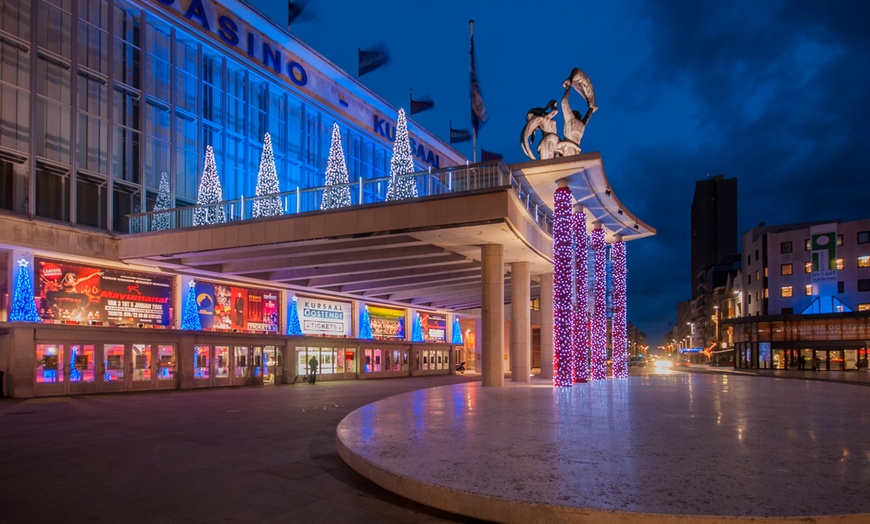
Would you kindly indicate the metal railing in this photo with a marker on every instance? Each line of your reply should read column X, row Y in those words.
column 444, row 181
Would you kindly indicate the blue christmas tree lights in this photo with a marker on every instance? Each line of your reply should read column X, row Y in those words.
column 23, row 303
column 190, row 319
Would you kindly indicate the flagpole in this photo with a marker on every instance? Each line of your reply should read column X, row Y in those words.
column 473, row 127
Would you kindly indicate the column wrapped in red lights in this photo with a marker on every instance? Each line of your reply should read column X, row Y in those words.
column 619, row 332
column 562, row 283
column 580, row 338
column 598, row 336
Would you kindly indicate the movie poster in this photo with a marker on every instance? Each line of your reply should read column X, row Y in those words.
column 434, row 327
column 387, row 324
column 226, row 308
column 69, row 292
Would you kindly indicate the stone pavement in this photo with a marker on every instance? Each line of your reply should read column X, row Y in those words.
column 652, row 448
column 236, row 455
column 268, row 454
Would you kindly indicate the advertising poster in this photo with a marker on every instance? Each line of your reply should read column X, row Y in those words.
column 823, row 253
column 205, row 303
column 68, row 292
column 387, row 324
column 434, row 327
column 225, row 308
column 324, row 317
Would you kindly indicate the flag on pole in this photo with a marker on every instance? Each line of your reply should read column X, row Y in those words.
column 490, row 156
column 418, row 106
column 371, row 59
column 459, row 135
column 294, row 9
column 478, row 109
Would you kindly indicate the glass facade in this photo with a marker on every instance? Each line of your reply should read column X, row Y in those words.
column 105, row 97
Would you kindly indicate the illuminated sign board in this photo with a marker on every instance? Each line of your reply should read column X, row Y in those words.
column 225, row 308
column 324, row 317
column 387, row 323
column 434, row 327
column 69, row 292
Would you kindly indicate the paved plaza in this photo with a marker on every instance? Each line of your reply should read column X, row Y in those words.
column 645, row 449
column 677, row 447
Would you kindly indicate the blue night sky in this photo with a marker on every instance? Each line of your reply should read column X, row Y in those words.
column 773, row 93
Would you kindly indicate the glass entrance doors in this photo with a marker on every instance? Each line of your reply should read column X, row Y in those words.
column 86, row 368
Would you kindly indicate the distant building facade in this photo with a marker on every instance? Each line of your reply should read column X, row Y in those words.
column 806, row 297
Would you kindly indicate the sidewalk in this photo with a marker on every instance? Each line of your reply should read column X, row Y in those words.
column 859, row 377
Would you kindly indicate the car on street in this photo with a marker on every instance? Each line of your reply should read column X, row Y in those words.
column 683, row 362
column 637, row 361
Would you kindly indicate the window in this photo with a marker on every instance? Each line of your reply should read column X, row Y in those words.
column 765, row 271
column 756, row 254
column 808, row 289
column 785, row 269
column 808, row 267
column 765, row 292
column 757, row 274
column 757, row 296
column 863, row 307
column 840, row 287
column 864, row 261
column 839, row 264
column 749, row 297
column 864, row 237
column 864, row 284
column 750, row 278
column 839, row 240
column 748, row 259
column 807, row 245
column 786, row 291
column 784, row 247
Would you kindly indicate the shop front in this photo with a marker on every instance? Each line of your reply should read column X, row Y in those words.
column 823, row 342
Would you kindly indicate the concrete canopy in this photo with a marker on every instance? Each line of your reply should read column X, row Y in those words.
column 585, row 176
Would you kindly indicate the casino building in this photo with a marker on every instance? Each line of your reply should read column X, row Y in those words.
column 103, row 100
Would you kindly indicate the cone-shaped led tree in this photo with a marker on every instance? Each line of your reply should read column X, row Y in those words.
column 23, row 304
column 402, row 163
column 336, row 193
column 210, row 194
column 267, row 184
column 457, row 332
column 365, row 325
column 160, row 222
column 293, row 326
column 417, row 332
column 191, row 320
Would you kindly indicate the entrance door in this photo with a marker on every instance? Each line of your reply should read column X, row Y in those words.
column 241, row 365
column 142, row 359
column 202, row 372
column 349, row 363
column 50, row 372
column 82, row 368
column 166, row 367
column 271, row 363
column 221, row 358
column 115, row 375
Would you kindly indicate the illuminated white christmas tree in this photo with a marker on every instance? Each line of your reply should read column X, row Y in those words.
column 210, row 194
column 160, row 222
column 267, row 184
column 23, row 304
column 402, row 163
column 336, row 193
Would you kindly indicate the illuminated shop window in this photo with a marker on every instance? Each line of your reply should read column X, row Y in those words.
column 786, row 291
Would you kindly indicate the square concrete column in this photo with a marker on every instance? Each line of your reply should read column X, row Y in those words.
column 492, row 258
column 521, row 326
column 547, row 326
